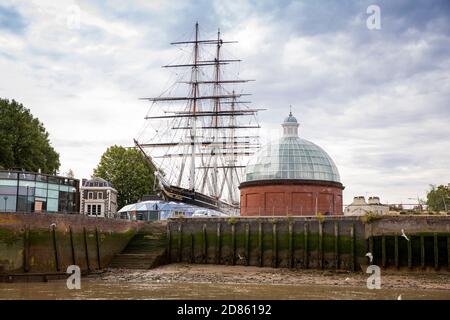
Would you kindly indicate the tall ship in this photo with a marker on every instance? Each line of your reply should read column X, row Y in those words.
column 200, row 132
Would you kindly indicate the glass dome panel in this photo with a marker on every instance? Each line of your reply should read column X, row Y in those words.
column 291, row 158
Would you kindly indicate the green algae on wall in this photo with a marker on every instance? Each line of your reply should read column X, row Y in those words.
column 52, row 249
column 268, row 242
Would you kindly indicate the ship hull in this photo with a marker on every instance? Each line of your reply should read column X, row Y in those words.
column 173, row 193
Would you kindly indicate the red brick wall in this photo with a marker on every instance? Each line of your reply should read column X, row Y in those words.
column 281, row 200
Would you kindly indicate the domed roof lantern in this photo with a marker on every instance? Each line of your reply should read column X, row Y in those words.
column 290, row 125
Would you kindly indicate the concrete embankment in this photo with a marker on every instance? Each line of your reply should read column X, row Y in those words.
column 33, row 243
column 313, row 242
column 45, row 243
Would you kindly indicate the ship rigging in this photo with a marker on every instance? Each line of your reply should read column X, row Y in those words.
column 197, row 141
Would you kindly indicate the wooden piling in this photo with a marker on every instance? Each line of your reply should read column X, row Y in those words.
column 218, row 243
column 55, row 248
column 409, row 252
column 371, row 249
column 192, row 253
column 180, row 242
column 233, row 244
column 320, row 244
column 291, row 244
column 336, row 245
column 383, row 251
column 305, row 245
column 448, row 253
column 422, row 252
column 169, row 243
column 86, row 249
column 396, row 251
column 72, row 246
column 436, row 251
column 274, row 245
column 205, row 244
column 352, row 247
column 26, row 249
column 260, row 244
column 247, row 244
column 97, row 241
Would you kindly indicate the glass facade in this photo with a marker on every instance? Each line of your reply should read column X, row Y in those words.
column 292, row 158
column 33, row 192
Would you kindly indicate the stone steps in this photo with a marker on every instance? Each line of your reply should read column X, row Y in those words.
column 144, row 251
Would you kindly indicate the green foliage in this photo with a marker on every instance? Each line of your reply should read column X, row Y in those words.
column 129, row 173
column 438, row 198
column 232, row 220
column 24, row 142
column 370, row 217
column 320, row 217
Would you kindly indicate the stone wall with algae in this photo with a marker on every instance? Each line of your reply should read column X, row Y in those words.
column 324, row 242
column 50, row 242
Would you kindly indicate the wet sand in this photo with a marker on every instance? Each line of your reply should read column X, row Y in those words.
column 210, row 282
column 255, row 275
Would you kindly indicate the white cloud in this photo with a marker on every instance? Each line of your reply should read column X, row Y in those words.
column 377, row 102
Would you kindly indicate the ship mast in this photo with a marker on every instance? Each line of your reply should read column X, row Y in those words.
column 210, row 146
column 194, row 110
column 216, row 118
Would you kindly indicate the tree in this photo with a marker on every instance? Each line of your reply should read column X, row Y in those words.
column 70, row 174
column 128, row 172
column 24, row 142
column 438, row 198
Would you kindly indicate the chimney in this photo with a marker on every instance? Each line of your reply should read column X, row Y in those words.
column 359, row 201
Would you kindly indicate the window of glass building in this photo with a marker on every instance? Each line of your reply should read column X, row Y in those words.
column 30, row 192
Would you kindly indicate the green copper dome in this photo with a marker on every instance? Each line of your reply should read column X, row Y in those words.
column 291, row 157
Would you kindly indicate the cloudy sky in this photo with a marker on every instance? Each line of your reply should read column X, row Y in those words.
column 376, row 100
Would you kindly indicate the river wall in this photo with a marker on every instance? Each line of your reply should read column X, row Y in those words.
column 34, row 243
column 312, row 242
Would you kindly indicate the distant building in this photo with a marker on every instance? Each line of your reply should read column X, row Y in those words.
column 360, row 207
column 98, row 198
column 22, row 191
column 151, row 210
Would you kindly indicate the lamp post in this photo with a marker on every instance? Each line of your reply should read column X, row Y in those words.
column 26, row 209
column 6, row 199
column 445, row 204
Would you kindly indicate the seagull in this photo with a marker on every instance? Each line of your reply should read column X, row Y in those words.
column 404, row 235
column 240, row 257
column 369, row 254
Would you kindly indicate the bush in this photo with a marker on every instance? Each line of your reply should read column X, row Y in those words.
column 320, row 217
column 370, row 217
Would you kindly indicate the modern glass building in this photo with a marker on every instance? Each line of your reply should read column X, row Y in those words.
column 22, row 191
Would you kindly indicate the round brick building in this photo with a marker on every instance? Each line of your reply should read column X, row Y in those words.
column 291, row 176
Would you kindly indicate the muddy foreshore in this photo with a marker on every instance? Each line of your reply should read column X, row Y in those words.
column 188, row 273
